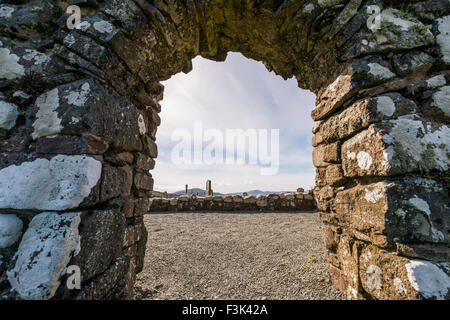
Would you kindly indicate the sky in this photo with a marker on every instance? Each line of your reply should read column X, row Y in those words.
column 238, row 93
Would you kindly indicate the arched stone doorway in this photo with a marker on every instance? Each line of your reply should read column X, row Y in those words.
column 80, row 112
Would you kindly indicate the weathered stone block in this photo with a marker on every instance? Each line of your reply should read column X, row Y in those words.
column 126, row 157
column 101, row 234
column 387, row 276
column 83, row 107
column 348, row 252
column 439, row 106
column 363, row 113
column 8, row 115
column 443, row 38
column 150, row 147
column 335, row 174
column 143, row 181
column 330, row 237
column 26, row 21
column 361, row 73
column 412, row 62
column 129, row 236
column 105, row 283
column 22, row 63
column 86, row 144
column 10, row 230
column 321, row 179
column 404, row 145
column 409, row 210
column 61, row 183
column 141, row 207
column 44, row 252
column 433, row 252
column 116, row 181
column 397, row 30
column 323, row 155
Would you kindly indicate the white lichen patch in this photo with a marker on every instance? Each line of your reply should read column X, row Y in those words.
column 38, row 57
column 394, row 16
column 376, row 193
column 69, row 40
column 396, row 29
column 399, row 287
column 352, row 293
column 10, row 230
column 423, row 206
column 436, row 82
column 141, row 124
column 103, row 26
column 47, row 246
column 10, row 69
column 420, row 204
column 6, row 12
column 74, row 120
column 401, row 213
column 385, row 106
column 61, row 183
column 364, row 160
column 83, row 25
column 78, row 98
column 8, row 115
column 21, row 94
column 47, row 122
column 428, row 279
column 380, row 72
column 441, row 100
column 418, row 144
column 308, row 8
column 351, row 155
column 374, row 274
column 443, row 38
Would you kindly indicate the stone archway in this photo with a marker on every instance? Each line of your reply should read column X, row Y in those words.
column 79, row 113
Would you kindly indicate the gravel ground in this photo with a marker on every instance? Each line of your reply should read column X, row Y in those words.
column 234, row 256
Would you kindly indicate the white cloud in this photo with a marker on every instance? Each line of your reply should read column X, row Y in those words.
column 237, row 93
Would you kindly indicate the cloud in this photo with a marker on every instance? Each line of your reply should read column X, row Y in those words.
column 237, row 93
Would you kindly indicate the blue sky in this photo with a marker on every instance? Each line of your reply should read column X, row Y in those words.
column 237, row 93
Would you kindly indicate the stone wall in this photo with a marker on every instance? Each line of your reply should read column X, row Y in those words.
column 79, row 113
column 271, row 202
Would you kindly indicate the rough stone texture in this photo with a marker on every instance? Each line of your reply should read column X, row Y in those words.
column 63, row 183
column 397, row 146
column 10, row 230
column 86, row 107
column 8, row 115
column 271, row 202
column 388, row 276
column 44, row 252
column 410, row 210
column 91, row 95
column 101, row 235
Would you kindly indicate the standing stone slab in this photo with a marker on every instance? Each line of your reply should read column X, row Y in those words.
column 44, row 252
column 60, row 183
